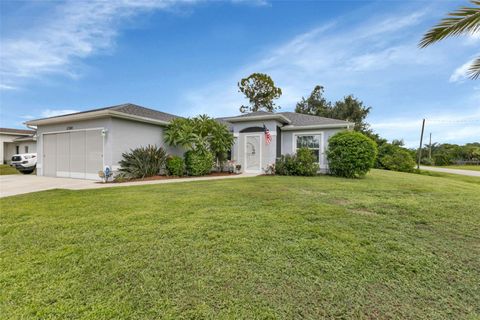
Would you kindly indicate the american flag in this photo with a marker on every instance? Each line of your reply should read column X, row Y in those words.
column 268, row 136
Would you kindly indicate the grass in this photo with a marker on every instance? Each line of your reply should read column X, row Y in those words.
column 391, row 246
column 463, row 167
column 6, row 169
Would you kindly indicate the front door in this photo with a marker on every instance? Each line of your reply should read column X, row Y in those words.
column 253, row 153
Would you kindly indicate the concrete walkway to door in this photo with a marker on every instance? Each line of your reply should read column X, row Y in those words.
column 15, row 184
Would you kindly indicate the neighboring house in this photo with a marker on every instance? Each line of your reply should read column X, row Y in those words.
column 15, row 141
column 78, row 145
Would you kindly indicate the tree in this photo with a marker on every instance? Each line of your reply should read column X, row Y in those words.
column 465, row 20
column 315, row 104
column 260, row 91
column 349, row 109
column 201, row 134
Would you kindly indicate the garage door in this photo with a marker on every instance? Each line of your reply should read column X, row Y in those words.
column 76, row 154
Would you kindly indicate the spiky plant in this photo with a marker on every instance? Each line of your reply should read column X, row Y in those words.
column 465, row 20
column 142, row 162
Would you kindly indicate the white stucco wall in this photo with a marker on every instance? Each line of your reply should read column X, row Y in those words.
column 289, row 145
column 127, row 134
column 121, row 136
column 268, row 152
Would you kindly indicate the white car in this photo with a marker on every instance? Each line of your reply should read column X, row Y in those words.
column 25, row 163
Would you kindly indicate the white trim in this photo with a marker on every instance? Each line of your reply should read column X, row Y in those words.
column 73, row 130
column 259, row 135
column 16, row 133
column 317, row 126
column 254, row 118
column 321, row 148
column 94, row 114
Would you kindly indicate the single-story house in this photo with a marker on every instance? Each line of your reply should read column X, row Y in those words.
column 79, row 145
column 15, row 141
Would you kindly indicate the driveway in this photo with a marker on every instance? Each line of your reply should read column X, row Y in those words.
column 15, row 184
column 470, row 173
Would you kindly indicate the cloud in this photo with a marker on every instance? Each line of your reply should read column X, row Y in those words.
column 55, row 112
column 7, row 87
column 75, row 30
column 461, row 73
column 445, row 127
column 322, row 55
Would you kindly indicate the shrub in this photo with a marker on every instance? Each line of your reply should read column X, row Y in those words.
column 399, row 160
column 175, row 166
column 427, row 161
column 284, row 165
column 351, row 154
column 442, row 159
column 393, row 157
column 303, row 163
column 142, row 162
column 198, row 163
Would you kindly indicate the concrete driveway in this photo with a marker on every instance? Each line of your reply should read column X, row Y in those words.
column 15, row 184
column 25, row 183
column 470, row 173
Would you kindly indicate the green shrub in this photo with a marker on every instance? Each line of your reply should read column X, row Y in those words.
column 396, row 158
column 443, row 159
column 175, row 166
column 198, row 163
column 303, row 163
column 350, row 154
column 142, row 162
column 427, row 161
column 284, row 165
column 399, row 160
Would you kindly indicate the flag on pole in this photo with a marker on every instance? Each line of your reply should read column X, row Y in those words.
column 268, row 136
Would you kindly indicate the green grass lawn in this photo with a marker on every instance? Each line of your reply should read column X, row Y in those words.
column 392, row 245
column 464, row 167
column 6, row 169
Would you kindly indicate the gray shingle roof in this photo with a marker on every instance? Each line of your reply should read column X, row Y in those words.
column 16, row 131
column 296, row 119
column 299, row 119
column 127, row 108
column 140, row 111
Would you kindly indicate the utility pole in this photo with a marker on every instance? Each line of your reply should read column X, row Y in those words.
column 430, row 148
column 420, row 148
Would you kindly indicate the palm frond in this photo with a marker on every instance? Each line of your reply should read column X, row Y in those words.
column 474, row 70
column 464, row 20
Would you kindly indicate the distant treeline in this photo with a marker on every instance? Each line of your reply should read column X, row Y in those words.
column 446, row 154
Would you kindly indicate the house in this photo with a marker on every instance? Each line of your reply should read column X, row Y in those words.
column 15, row 141
column 79, row 145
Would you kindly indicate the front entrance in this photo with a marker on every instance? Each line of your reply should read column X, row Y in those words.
column 253, row 153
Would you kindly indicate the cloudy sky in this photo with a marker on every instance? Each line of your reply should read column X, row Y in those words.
column 185, row 57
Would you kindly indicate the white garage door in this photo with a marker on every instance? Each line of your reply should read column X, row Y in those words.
column 76, row 154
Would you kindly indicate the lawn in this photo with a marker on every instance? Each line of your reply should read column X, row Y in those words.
column 392, row 245
column 464, row 167
column 6, row 169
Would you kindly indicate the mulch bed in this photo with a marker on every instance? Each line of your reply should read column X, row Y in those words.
column 213, row 174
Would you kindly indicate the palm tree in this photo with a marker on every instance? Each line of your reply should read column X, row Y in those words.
column 465, row 20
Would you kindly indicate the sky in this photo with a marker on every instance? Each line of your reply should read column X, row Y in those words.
column 186, row 56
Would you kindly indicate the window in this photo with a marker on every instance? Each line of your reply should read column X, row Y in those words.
column 310, row 141
column 26, row 149
column 17, row 149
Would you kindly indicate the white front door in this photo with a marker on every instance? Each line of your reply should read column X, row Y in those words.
column 253, row 153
